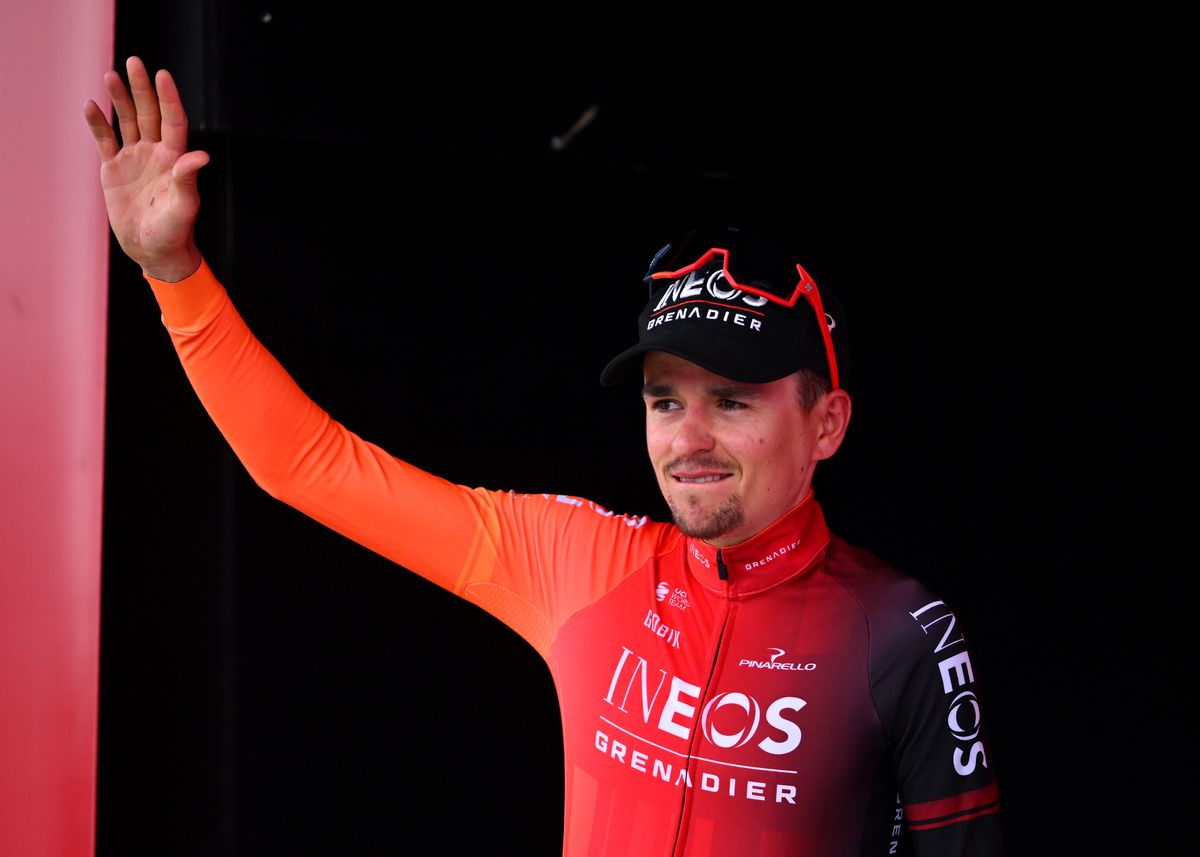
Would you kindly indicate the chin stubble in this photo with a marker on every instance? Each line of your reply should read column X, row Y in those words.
column 725, row 519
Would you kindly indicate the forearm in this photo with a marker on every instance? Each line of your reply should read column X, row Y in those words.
column 254, row 402
column 295, row 451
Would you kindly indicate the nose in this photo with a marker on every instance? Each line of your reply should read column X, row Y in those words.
column 693, row 433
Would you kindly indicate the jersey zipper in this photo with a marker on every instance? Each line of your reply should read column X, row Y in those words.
column 681, row 831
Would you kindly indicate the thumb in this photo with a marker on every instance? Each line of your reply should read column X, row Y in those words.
column 187, row 167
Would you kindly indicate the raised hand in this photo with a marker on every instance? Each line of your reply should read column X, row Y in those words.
column 149, row 177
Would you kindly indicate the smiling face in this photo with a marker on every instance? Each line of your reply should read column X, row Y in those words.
column 730, row 457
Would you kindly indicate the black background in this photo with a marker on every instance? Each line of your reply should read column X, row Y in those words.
column 1004, row 201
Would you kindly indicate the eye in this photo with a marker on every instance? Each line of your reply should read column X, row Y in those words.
column 731, row 405
column 662, row 404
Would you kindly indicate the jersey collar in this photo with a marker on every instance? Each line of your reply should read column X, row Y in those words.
column 788, row 547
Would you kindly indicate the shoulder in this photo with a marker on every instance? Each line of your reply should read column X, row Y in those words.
column 578, row 518
column 919, row 648
column 909, row 622
column 880, row 587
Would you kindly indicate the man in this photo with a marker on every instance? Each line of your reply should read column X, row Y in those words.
column 737, row 682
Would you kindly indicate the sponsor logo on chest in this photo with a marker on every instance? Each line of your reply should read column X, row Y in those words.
column 660, row 628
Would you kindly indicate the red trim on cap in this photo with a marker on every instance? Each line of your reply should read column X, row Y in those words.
column 734, row 307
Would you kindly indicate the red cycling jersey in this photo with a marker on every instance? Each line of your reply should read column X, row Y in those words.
column 790, row 695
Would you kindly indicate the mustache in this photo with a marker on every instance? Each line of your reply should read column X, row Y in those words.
column 703, row 462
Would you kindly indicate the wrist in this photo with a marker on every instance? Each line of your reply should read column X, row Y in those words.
column 174, row 268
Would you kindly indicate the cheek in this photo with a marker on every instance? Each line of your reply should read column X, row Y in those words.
column 783, row 454
column 655, row 441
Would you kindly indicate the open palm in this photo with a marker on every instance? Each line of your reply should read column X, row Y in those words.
column 149, row 178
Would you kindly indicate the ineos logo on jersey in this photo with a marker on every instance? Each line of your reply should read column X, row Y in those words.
column 736, row 739
column 660, row 591
column 956, row 672
column 773, row 663
column 967, row 704
column 742, row 719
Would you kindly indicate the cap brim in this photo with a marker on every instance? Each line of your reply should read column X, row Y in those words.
column 730, row 358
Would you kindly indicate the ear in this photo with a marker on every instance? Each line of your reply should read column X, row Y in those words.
column 832, row 415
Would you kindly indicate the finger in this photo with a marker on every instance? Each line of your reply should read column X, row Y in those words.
column 174, row 116
column 149, row 119
column 102, row 132
column 185, row 169
column 123, row 107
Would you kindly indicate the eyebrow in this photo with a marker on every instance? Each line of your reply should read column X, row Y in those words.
column 653, row 390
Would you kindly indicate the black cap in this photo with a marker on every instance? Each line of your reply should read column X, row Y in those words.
column 748, row 312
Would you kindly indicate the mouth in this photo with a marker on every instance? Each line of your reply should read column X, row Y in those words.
column 698, row 471
column 699, row 480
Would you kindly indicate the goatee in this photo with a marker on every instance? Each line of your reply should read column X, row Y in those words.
column 725, row 519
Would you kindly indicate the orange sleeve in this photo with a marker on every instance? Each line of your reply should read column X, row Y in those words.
column 530, row 560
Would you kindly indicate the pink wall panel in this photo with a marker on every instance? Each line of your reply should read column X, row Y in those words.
column 53, row 301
